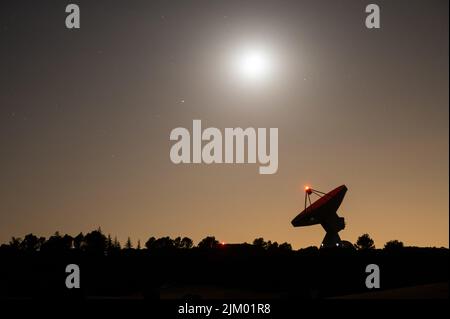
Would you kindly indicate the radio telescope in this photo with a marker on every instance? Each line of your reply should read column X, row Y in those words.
column 324, row 212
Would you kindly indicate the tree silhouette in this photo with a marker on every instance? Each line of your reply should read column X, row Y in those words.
column 272, row 246
column 109, row 244
column 177, row 242
column 95, row 242
column 164, row 243
column 186, row 243
column 149, row 244
column 208, row 242
column 285, row 246
column 15, row 243
column 310, row 250
column 78, row 241
column 365, row 242
column 393, row 245
column 57, row 243
column 260, row 243
column 116, row 244
column 67, row 242
column 128, row 244
column 32, row 243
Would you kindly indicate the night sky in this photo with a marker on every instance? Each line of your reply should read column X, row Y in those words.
column 85, row 118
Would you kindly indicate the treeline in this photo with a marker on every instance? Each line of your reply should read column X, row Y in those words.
column 97, row 242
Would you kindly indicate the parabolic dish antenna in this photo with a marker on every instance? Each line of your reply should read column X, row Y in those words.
column 324, row 212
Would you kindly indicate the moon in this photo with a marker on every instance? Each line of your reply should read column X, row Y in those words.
column 254, row 65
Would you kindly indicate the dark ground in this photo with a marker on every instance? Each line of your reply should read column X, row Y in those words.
column 238, row 272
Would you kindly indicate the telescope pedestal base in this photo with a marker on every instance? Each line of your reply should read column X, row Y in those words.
column 330, row 240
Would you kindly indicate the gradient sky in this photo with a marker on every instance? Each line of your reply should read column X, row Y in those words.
column 85, row 118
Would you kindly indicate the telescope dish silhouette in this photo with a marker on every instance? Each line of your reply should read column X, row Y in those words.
column 324, row 212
